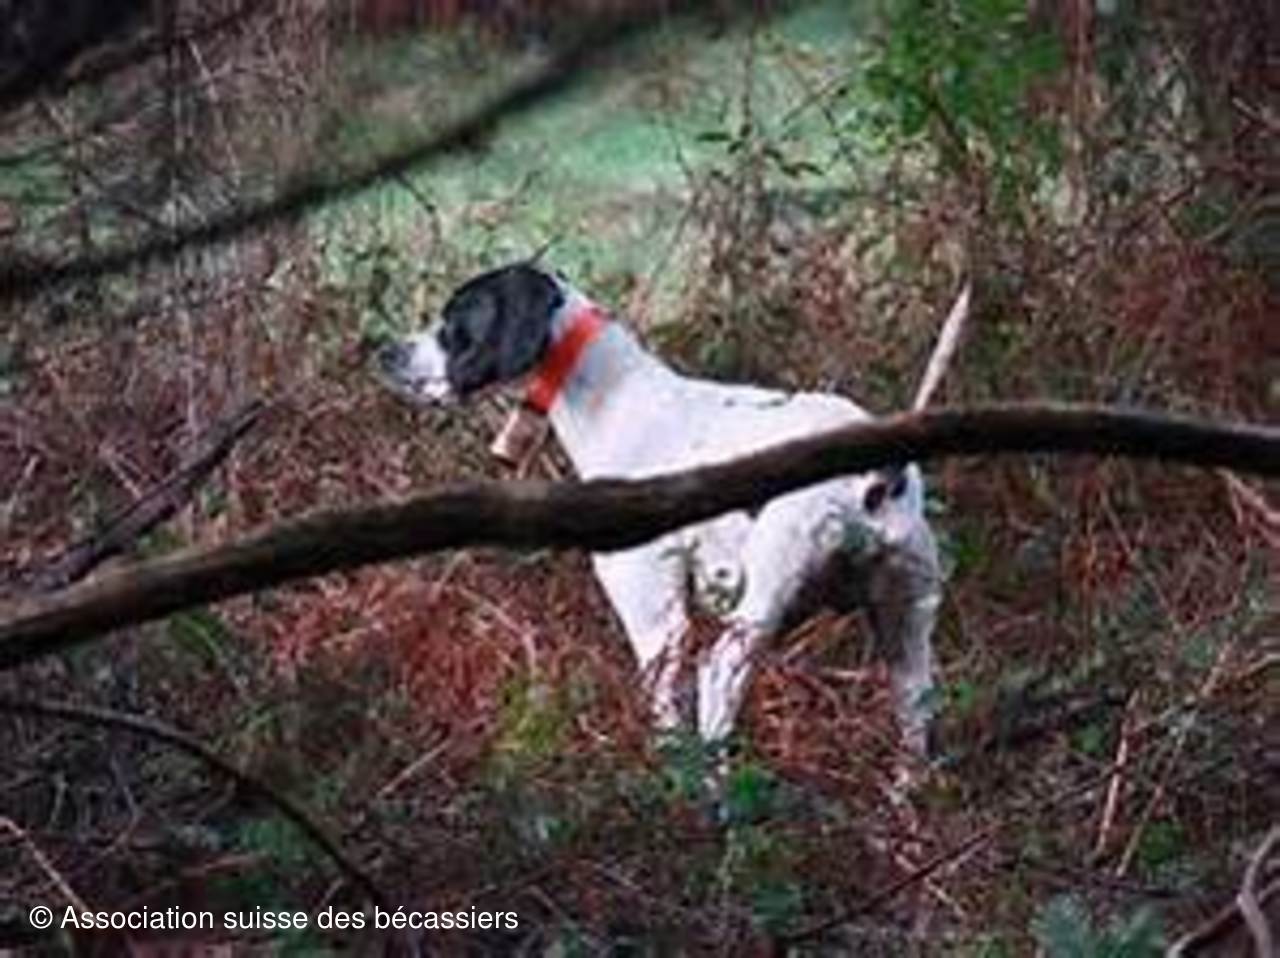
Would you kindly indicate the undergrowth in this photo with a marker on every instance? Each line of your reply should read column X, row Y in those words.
column 468, row 728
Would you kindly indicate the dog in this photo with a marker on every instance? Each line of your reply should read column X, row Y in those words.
column 620, row 412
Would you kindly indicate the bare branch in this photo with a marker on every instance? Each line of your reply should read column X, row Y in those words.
column 945, row 349
column 955, row 852
column 606, row 514
column 1245, row 915
column 56, row 878
column 1248, row 902
column 599, row 37
column 112, row 60
column 158, row 732
column 154, row 507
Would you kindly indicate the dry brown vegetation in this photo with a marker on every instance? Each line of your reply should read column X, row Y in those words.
column 467, row 729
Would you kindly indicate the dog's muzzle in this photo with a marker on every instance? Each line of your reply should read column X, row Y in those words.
column 412, row 372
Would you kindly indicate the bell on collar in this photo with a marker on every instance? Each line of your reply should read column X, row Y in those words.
column 519, row 437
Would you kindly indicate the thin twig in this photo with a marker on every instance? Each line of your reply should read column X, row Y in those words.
column 1247, row 899
column 41, row 859
column 965, row 847
column 152, row 507
column 1219, row 926
column 1202, row 695
column 1245, row 498
column 1120, row 764
column 945, row 349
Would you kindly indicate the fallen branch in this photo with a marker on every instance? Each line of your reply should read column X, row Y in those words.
column 605, row 514
column 150, row 729
column 154, row 507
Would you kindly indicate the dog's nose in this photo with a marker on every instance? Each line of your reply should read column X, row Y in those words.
column 393, row 356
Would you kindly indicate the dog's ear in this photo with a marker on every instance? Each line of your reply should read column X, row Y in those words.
column 531, row 299
column 497, row 326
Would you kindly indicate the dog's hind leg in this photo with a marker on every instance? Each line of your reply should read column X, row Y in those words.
column 904, row 592
column 646, row 586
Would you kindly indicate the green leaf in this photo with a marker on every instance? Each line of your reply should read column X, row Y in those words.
column 749, row 793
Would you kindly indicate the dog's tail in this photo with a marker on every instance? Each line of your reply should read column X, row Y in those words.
column 945, row 349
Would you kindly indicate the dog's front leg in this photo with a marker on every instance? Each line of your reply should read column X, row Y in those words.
column 723, row 679
column 646, row 588
column 905, row 592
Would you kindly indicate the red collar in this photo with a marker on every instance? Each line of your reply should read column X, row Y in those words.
column 562, row 358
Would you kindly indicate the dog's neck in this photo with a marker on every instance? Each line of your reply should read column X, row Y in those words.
column 588, row 413
column 573, row 330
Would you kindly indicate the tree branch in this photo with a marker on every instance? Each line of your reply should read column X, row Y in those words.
column 158, row 732
column 945, row 348
column 1246, row 916
column 153, row 507
column 607, row 514
column 597, row 38
column 1249, row 902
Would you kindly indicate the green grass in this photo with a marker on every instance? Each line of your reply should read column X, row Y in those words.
column 602, row 171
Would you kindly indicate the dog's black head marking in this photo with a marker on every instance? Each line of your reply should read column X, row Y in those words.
column 497, row 326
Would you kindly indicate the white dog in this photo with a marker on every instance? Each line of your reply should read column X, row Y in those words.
column 620, row 412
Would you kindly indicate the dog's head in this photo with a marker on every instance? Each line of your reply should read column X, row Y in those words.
column 494, row 329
